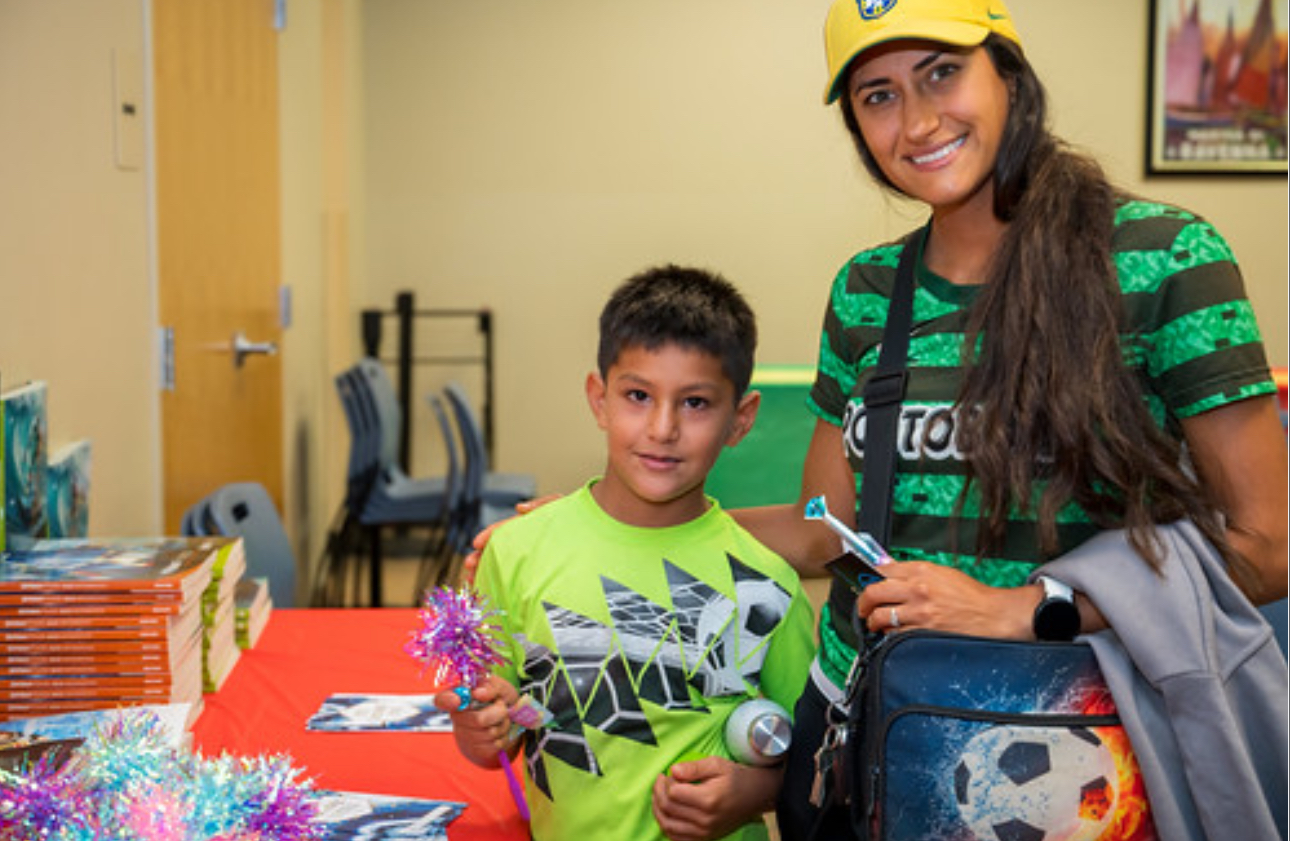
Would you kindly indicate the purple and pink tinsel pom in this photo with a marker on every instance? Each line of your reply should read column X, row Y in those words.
column 459, row 638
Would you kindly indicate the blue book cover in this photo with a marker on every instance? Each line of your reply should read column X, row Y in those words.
column 181, row 566
column 68, row 490
column 345, row 815
column 373, row 712
column 26, row 462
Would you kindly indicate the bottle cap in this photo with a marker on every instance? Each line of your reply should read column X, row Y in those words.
column 758, row 732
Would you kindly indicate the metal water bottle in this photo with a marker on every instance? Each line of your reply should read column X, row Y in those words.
column 758, row 732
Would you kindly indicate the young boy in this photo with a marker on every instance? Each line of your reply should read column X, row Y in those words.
column 637, row 611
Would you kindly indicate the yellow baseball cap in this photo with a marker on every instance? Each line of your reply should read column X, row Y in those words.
column 854, row 26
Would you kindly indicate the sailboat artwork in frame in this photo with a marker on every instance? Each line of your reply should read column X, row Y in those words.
column 1217, row 87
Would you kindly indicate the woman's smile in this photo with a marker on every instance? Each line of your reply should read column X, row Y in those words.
column 940, row 154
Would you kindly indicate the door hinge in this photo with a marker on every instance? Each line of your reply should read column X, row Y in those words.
column 166, row 346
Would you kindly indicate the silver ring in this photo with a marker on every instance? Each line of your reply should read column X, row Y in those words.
column 895, row 618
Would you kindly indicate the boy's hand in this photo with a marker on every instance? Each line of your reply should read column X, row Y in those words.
column 470, row 564
column 712, row 797
column 483, row 728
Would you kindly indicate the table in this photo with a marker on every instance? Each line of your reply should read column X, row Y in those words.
column 305, row 655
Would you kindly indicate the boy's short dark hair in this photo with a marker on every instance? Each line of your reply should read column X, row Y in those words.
column 693, row 308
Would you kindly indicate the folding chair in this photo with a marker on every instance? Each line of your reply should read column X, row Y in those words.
column 344, row 537
column 487, row 496
column 193, row 523
column 247, row 510
column 495, row 488
column 395, row 497
column 379, row 494
column 438, row 555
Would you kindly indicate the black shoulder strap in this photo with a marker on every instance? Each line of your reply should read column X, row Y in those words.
column 883, row 395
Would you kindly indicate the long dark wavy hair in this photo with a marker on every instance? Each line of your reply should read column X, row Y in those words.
column 1053, row 414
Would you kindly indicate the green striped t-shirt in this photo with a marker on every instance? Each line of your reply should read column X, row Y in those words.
column 1188, row 332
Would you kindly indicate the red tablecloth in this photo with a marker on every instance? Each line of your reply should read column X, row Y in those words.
column 305, row 656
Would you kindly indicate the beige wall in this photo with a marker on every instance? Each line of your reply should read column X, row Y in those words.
column 527, row 156
column 77, row 304
column 77, row 289
column 519, row 156
column 319, row 65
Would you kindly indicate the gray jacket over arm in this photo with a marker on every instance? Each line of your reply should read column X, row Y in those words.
column 1199, row 680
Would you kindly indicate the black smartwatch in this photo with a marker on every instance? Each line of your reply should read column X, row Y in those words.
column 1057, row 617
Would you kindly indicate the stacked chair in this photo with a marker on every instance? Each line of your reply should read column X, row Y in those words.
column 491, row 489
column 454, row 539
column 483, row 497
column 245, row 509
column 380, row 496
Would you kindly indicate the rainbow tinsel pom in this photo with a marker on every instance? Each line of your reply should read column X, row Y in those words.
column 127, row 782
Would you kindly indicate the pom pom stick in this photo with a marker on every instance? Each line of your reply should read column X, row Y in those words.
column 258, row 798
column 459, row 639
column 128, row 781
column 44, row 802
column 156, row 813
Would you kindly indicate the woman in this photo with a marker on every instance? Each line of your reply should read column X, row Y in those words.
column 1111, row 336
column 1117, row 379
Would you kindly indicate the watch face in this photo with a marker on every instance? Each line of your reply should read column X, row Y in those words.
column 1056, row 619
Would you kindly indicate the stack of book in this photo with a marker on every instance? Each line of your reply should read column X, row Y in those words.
column 91, row 624
column 220, row 651
column 252, row 606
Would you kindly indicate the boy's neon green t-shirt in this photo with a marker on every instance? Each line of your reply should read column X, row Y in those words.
column 641, row 642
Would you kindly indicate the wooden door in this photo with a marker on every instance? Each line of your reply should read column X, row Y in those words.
column 216, row 116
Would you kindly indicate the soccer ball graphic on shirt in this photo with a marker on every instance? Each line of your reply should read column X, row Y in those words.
column 1036, row 784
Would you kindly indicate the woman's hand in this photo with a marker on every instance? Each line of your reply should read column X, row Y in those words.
column 919, row 594
column 712, row 797
column 470, row 564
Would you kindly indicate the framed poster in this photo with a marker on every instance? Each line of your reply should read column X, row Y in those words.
column 1217, row 87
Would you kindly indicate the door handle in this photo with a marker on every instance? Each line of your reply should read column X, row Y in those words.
column 243, row 347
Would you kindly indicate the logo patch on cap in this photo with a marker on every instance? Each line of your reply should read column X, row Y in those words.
column 874, row 9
